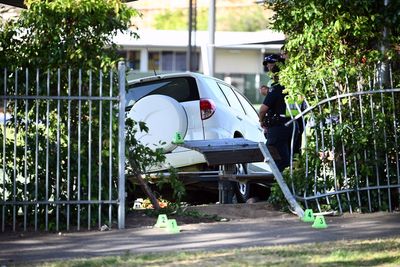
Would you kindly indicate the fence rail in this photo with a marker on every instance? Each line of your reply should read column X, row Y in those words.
column 62, row 156
column 62, row 150
column 350, row 151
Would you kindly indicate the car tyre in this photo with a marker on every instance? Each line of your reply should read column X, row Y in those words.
column 241, row 189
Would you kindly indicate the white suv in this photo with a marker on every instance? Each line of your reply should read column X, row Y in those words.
column 198, row 107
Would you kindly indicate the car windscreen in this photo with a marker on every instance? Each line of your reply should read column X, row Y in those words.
column 181, row 89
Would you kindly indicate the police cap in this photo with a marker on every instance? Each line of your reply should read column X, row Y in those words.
column 272, row 59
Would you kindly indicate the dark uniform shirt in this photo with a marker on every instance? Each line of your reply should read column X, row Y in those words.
column 275, row 100
column 278, row 135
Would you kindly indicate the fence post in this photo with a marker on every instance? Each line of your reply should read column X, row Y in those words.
column 121, row 146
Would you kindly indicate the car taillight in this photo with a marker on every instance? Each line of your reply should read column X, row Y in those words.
column 207, row 108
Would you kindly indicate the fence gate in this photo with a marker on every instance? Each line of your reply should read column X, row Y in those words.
column 62, row 149
column 350, row 156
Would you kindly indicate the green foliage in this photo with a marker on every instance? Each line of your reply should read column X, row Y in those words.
column 177, row 186
column 333, row 39
column 251, row 18
column 178, row 20
column 141, row 158
column 57, row 149
column 245, row 19
column 71, row 33
column 335, row 47
column 346, row 153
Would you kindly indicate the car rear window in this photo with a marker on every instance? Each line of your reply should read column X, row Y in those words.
column 181, row 89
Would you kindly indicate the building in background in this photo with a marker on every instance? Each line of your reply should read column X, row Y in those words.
column 238, row 55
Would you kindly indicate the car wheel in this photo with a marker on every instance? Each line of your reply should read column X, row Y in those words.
column 242, row 189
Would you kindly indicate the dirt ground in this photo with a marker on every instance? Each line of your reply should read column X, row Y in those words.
column 204, row 214
column 191, row 215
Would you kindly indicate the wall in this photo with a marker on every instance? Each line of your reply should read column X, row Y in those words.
column 238, row 61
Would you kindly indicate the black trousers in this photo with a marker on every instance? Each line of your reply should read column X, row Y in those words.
column 279, row 136
column 297, row 139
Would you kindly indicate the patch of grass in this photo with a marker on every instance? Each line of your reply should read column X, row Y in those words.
column 341, row 253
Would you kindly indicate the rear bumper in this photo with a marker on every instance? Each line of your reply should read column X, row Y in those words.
column 181, row 158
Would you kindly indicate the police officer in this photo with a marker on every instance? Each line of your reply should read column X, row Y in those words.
column 272, row 115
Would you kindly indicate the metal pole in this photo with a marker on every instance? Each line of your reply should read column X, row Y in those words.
column 189, row 51
column 211, row 32
column 383, row 79
column 79, row 148
column 100, row 159
column 89, row 188
column 281, row 182
column 121, row 146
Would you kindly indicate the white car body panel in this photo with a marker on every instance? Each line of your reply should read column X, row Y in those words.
column 164, row 121
column 226, row 122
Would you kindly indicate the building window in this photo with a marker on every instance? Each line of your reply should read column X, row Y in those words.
column 154, row 61
column 160, row 60
column 133, row 60
column 170, row 61
column 180, row 61
column 122, row 54
column 195, row 62
column 167, row 59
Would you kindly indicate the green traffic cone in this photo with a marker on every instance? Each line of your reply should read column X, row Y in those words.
column 172, row 227
column 308, row 216
column 319, row 222
column 161, row 221
column 177, row 138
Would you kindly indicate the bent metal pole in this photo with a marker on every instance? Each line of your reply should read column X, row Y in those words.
column 278, row 176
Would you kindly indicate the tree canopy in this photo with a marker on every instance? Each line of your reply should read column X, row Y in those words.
column 65, row 32
column 251, row 18
column 67, row 48
column 339, row 48
column 335, row 38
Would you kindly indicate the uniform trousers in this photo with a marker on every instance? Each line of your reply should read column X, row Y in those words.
column 279, row 136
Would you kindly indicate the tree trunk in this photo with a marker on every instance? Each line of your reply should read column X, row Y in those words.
column 147, row 190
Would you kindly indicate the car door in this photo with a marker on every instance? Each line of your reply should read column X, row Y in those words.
column 254, row 131
column 240, row 121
